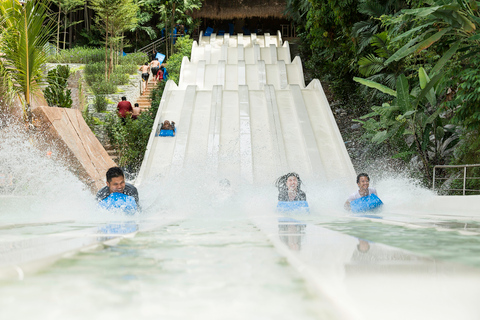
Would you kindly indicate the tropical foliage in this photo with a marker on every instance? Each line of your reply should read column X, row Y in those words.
column 24, row 31
column 114, row 17
column 57, row 94
column 415, row 61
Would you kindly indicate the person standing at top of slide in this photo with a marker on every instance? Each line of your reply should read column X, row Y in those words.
column 145, row 69
column 363, row 182
column 155, row 66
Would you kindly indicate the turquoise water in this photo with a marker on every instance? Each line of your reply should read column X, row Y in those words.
column 207, row 267
column 419, row 236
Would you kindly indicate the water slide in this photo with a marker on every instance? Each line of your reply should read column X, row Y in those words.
column 242, row 111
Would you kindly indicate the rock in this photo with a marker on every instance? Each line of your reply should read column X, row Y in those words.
column 356, row 126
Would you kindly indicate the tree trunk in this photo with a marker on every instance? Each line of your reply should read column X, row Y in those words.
column 87, row 27
column 110, row 64
column 166, row 35
column 106, row 50
column 173, row 28
column 423, row 156
column 58, row 27
column 121, row 44
column 65, row 32
column 70, row 32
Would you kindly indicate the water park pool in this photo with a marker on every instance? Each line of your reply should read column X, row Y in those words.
column 234, row 258
column 201, row 251
column 204, row 250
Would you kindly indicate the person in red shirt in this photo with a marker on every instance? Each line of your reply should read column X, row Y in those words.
column 124, row 107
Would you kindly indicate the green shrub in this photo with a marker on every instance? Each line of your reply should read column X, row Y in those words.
column 183, row 48
column 137, row 58
column 78, row 55
column 57, row 94
column 103, row 87
column 119, row 78
column 129, row 139
column 100, row 103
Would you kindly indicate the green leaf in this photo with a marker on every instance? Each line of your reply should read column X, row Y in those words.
column 406, row 114
column 421, row 12
column 408, row 48
column 429, row 86
column 424, row 80
column 403, row 93
column 467, row 25
column 445, row 58
column 439, row 133
column 431, row 40
column 411, row 31
column 375, row 85
column 380, row 137
column 432, row 117
column 368, row 115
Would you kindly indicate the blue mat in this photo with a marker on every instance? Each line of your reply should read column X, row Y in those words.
column 367, row 203
column 286, row 206
column 208, row 32
column 167, row 133
column 119, row 201
column 160, row 57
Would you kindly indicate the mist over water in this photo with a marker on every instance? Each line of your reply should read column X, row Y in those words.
column 39, row 187
column 34, row 186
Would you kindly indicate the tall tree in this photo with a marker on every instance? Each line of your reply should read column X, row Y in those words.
column 114, row 17
column 173, row 12
column 66, row 7
column 24, row 32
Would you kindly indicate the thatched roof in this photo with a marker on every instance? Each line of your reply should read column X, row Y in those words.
column 231, row 9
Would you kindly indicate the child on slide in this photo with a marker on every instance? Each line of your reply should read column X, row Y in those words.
column 289, row 188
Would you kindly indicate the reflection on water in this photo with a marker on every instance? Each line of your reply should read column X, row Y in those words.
column 422, row 237
column 291, row 232
column 208, row 267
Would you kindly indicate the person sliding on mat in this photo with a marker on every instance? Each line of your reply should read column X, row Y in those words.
column 166, row 125
column 289, row 188
column 363, row 182
column 116, row 183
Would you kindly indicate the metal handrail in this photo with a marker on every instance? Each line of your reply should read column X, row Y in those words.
column 158, row 42
column 152, row 45
column 465, row 178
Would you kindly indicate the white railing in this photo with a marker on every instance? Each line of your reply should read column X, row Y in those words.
column 465, row 177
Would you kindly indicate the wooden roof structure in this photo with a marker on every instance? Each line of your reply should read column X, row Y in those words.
column 240, row 9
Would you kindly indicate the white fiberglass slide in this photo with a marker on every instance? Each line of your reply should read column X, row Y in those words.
column 242, row 112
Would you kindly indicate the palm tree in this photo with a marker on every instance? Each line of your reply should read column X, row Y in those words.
column 23, row 34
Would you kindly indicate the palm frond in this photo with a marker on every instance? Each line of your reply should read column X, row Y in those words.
column 370, row 64
column 22, row 44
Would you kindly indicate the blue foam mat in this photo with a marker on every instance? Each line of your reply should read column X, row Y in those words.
column 120, row 202
column 167, row 133
column 367, row 203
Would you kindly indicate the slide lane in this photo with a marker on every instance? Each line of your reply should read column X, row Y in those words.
column 248, row 135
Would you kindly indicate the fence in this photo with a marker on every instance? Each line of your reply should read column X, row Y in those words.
column 452, row 177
